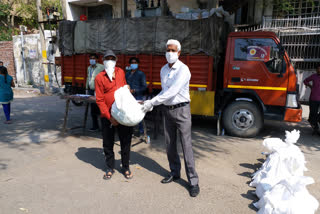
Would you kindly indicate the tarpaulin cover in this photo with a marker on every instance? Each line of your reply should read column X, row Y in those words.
column 143, row 35
column 66, row 32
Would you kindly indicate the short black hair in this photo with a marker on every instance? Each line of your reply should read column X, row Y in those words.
column 95, row 55
column 134, row 58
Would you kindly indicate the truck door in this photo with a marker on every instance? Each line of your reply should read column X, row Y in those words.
column 257, row 64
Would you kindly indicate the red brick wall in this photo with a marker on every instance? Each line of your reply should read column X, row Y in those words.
column 6, row 56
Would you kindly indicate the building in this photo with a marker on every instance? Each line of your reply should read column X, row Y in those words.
column 95, row 9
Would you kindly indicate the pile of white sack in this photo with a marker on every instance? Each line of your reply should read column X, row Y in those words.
column 280, row 183
column 125, row 109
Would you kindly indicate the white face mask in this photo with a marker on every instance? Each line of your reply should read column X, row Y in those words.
column 172, row 57
column 109, row 66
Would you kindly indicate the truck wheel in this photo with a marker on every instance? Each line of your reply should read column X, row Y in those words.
column 242, row 119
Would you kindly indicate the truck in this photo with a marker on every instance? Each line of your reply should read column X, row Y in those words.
column 253, row 81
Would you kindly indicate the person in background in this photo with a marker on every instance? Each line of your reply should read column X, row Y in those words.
column 175, row 77
column 106, row 84
column 6, row 93
column 93, row 70
column 1, row 63
column 314, row 100
column 136, row 79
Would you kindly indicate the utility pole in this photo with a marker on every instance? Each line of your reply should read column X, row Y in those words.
column 43, row 48
column 124, row 8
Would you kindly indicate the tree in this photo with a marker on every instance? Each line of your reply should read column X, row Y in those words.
column 5, row 28
column 29, row 8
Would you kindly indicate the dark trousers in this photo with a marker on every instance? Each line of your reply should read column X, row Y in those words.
column 179, row 121
column 95, row 112
column 313, row 113
column 125, row 134
column 6, row 110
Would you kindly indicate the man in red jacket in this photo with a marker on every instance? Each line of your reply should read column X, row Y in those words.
column 106, row 83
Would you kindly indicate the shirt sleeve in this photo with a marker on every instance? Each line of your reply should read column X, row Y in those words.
column 100, row 99
column 181, row 78
column 307, row 80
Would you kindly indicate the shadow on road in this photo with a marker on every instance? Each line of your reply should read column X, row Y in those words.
column 251, row 196
column 95, row 157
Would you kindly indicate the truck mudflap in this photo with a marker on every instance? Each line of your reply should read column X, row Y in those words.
column 293, row 115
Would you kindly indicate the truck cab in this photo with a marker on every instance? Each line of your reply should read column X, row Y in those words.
column 259, row 82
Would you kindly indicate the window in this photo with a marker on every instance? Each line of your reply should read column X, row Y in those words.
column 264, row 50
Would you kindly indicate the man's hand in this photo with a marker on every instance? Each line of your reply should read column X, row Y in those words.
column 129, row 87
column 147, row 106
column 113, row 121
column 132, row 91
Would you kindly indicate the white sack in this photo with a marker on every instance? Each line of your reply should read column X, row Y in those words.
column 289, row 196
column 285, row 161
column 125, row 109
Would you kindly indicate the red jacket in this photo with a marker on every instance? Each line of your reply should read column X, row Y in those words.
column 105, row 90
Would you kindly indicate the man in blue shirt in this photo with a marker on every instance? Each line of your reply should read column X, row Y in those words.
column 136, row 79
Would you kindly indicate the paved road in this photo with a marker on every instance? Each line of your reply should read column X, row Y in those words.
column 42, row 171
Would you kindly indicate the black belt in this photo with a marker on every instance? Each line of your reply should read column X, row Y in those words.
column 177, row 105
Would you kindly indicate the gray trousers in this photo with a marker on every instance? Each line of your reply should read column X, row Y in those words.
column 179, row 121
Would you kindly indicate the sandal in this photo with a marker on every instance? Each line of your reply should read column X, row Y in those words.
column 127, row 173
column 108, row 175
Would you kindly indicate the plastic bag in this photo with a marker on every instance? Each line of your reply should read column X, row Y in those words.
column 289, row 196
column 285, row 161
column 126, row 110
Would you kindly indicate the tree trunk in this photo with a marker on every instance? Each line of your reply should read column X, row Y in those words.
column 12, row 21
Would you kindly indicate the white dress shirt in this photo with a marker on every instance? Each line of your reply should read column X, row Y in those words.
column 175, row 85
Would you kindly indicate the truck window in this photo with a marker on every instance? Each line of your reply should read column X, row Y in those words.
column 264, row 50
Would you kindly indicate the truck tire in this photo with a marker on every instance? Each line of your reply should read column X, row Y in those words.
column 242, row 119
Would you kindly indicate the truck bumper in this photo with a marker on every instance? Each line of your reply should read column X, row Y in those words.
column 293, row 115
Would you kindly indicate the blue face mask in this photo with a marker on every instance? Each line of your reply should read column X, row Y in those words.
column 92, row 61
column 134, row 66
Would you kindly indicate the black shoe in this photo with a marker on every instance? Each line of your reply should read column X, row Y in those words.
column 169, row 179
column 94, row 129
column 194, row 190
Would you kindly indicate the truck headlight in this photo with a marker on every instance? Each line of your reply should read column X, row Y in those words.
column 292, row 101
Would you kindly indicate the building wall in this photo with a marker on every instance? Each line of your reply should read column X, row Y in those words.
column 6, row 56
column 33, row 60
column 74, row 11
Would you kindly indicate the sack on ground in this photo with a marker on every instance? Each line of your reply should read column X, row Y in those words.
column 126, row 110
column 288, row 196
column 285, row 161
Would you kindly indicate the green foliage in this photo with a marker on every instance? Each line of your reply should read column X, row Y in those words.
column 29, row 9
column 4, row 10
column 6, row 33
column 287, row 6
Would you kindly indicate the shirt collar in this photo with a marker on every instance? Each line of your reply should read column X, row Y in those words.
column 175, row 65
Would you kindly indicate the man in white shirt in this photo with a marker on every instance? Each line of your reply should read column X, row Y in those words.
column 175, row 97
